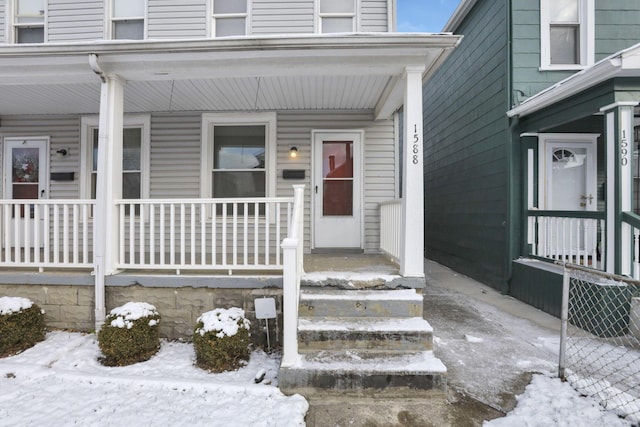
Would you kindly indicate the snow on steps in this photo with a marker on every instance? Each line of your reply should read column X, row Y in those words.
column 364, row 342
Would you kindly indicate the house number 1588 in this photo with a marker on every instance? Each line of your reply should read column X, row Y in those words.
column 416, row 145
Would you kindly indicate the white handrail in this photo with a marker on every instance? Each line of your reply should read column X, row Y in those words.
column 46, row 233
column 391, row 228
column 292, row 248
column 196, row 234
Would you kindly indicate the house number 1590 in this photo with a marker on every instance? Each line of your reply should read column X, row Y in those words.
column 624, row 149
column 416, row 145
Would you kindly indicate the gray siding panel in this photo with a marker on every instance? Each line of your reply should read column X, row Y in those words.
column 278, row 17
column 2, row 22
column 466, row 155
column 169, row 19
column 374, row 16
column 75, row 20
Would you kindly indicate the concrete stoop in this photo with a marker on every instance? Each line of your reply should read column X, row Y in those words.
column 364, row 343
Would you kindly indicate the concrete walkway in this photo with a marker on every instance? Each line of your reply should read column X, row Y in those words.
column 490, row 343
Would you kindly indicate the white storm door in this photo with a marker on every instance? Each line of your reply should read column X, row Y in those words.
column 337, row 190
column 26, row 169
column 569, row 184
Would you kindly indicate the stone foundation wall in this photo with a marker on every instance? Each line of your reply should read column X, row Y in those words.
column 72, row 307
column 65, row 306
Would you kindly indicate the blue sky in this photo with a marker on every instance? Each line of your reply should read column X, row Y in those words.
column 424, row 15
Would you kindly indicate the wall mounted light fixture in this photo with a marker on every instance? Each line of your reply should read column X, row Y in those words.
column 293, row 152
column 62, row 152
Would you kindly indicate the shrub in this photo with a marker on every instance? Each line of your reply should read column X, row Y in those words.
column 221, row 340
column 130, row 334
column 21, row 325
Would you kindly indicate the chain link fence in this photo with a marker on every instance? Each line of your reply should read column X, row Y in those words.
column 600, row 338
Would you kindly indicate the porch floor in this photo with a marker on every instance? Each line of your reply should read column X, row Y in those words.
column 313, row 263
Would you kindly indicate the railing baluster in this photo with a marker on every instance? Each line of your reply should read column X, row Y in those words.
column 193, row 234
column 267, row 220
column 75, row 237
column 203, row 234
column 182, row 234
column 256, row 233
column 214, row 234
column 152, row 234
column 142, row 243
column 56, row 234
column 162, row 238
column 277, row 205
column 46, row 233
column 245, row 234
column 85, row 233
column 224, row 234
column 65, row 233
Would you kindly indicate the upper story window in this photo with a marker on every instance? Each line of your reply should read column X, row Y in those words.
column 229, row 18
column 567, row 34
column 29, row 21
column 127, row 19
column 337, row 16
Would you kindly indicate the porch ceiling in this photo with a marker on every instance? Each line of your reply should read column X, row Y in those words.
column 269, row 73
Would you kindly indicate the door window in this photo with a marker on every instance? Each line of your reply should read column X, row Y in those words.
column 337, row 178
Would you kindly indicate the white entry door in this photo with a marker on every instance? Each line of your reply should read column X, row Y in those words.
column 569, row 183
column 25, row 175
column 337, row 190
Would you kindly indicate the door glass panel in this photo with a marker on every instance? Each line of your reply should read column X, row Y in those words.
column 25, row 175
column 569, row 171
column 337, row 172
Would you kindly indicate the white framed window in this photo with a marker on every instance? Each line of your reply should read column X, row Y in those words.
column 229, row 18
column 238, row 155
column 336, row 16
column 567, row 34
column 135, row 156
column 29, row 21
column 128, row 19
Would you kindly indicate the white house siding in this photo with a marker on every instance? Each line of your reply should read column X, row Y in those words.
column 374, row 16
column 294, row 129
column 169, row 19
column 284, row 16
column 2, row 22
column 75, row 20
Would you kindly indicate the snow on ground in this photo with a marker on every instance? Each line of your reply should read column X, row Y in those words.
column 550, row 402
column 60, row 382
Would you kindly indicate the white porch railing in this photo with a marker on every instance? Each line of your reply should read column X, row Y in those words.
column 181, row 234
column 391, row 228
column 575, row 237
column 631, row 224
column 293, row 270
column 46, row 233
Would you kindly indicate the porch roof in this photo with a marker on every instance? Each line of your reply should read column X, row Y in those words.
column 625, row 63
column 354, row 71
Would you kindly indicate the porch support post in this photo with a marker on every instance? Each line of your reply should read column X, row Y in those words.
column 412, row 249
column 619, row 158
column 108, row 188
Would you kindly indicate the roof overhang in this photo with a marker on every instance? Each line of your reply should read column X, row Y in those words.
column 374, row 61
column 461, row 12
column 625, row 63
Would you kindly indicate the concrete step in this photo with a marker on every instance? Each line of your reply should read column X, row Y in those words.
column 361, row 374
column 395, row 335
column 322, row 302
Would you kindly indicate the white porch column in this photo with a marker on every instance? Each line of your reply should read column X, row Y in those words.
column 412, row 249
column 619, row 155
column 108, row 187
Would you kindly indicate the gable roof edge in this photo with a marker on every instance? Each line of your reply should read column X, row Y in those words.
column 458, row 15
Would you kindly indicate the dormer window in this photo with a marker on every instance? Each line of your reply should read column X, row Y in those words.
column 337, row 16
column 229, row 18
column 567, row 34
column 127, row 19
column 29, row 21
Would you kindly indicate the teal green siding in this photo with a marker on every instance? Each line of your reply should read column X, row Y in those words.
column 616, row 28
column 466, row 155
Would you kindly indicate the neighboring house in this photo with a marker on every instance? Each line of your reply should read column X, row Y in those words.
column 146, row 139
column 531, row 143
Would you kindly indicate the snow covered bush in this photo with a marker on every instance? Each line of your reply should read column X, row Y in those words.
column 129, row 334
column 221, row 340
column 21, row 325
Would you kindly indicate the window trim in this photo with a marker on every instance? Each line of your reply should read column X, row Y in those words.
column 108, row 28
column 356, row 15
column 12, row 35
column 586, row 37
column 88, row 123
column 210, row 120
column 211, row 20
